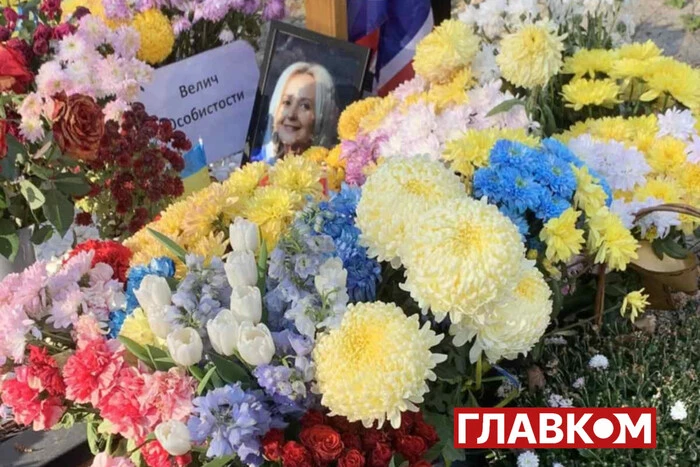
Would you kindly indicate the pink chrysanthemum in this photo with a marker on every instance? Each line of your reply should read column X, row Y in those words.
column 359, row 154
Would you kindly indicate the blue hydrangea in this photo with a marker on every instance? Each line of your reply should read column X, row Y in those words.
column 116, row 321
column 163, row 267
column 233, row 421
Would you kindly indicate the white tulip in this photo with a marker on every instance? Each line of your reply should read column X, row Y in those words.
column 243, row 235
column 154, row 296
column 255, row 344
column 241, row 268
column 223, row 332
column 246, row 304
column 174, row 436
column 185, row 346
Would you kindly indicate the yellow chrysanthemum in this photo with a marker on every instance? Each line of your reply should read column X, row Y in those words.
column 349, row 121
column 608, row 238
column 461, row 256
column 516, row 323
column 298, row 174
column 628, row 68
column 639, row 50
column 666, row 155
column 472, row 149
column 335, row 169
column 637, row 303
column 157, row 37
column 395, row 195
column 377, row 114
column 561, row 236
column 677, row 79
column 530, row 56
column 137, row 329
column 246, row 179
column 663, row 188
column 589, row 62
column 582, row 92
column 689, row 181
column 69, row 6
column 272, row 208
column 209, row 246
column 375, row 365
column 317, row 154
column 453, row 92
column 589, row 196
column 449, row 48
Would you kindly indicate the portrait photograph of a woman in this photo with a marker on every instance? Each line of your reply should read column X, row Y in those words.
column 307, row 81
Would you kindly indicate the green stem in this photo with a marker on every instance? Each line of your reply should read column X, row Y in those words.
column 108, row 447
column 478, row 373
column 509, row 398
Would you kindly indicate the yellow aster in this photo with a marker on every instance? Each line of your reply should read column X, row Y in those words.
column 689, row 181
column 612, row 243
column 628, row 68
column 582, row 92
column 666, row 155
column 209, row 246
column 589, row 196
column 316, row 153
column 298, row 174
column 530, row 56
column 453, row 92
column 446, row 50
column 137, row 329
column 515, row 323
column 639, row 50
column 376, row 364
column 395, row 195
column 461, row 257
column 246, row 179
column 349, row 121
column 561, row 236
column 663, row 188
column 335, row 169
column 377, row 114
column 157, row 37
column 589, row 62
column 636, row 302
column 272, row 208
column 677, row 79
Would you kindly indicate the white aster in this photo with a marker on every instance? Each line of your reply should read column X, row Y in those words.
column 556, row 400
column 226, row 36
column 32, row 129
column 31, row 106
column 528, row 459
column 677, row 123
column 599, row 362
column 113, row 110
column 693, row 150
column 579, row 383
column 679, row 411
column 71, row 48
column 484, row 66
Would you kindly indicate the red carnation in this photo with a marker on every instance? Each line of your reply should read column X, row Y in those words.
column 411, row 447
column 311, row 418
column 155, row 455
column 381, row 455
column 109, row 252
column 296, row 455
column 44, row 366
column 272, row 444
column 351, row 458
column 323, row 441
column 427, row 432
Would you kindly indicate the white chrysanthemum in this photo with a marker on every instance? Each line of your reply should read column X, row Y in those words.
column 32, row 129
column 375, row 365
column 679, row 411
column 127, row 42
column 693, row 150
column 394, row 196
column 114, row 109
column 31, row 106
column 599, row 362
column 661, row 222
column 579, row 383
column 72, row 47
column 485, row 67
column 411, row 133
column 528, row 459
column 677, row 123
column 515, row 322
column 462, row 255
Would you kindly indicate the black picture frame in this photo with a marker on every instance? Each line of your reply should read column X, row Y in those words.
column 334, row 48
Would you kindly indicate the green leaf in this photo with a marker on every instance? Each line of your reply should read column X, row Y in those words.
column 3, row 199
column 262, row 274
column 9, row 239
column 39, row 171
column 505, row 106
column 41, row 234
column 176, row 249
column 7, row 164
column 93, row 438
column 137, row 350
column 230, row 371
column 219, row 461
column 59, row 211
column 205, row 381
column 196, row 372
column 71, row 184
column 34, row 196
column 160, row 358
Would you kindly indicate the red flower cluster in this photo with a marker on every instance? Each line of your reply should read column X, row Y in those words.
column 137, row 170
column 109, row 252
column 325, row 440
column 36, row 392
column 155, row 455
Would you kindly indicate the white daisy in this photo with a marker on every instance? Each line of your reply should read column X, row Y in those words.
column 677, row 123
column 528, row 459
column 32, row 129
column 679, row 411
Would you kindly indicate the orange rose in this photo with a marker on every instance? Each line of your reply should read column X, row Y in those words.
column 14, row 74
column 78, row 125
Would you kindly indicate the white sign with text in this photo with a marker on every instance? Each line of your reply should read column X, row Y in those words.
column 208, row 96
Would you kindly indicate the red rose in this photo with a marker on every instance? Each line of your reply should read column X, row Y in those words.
column 14, row 74
column 272, row 444
column 372, row 437
column 311, row 418
column 351, row 458
column 381, row 455
column 421, row 463
column 411, row 447
column 323, row 441
column 342, row 425
column 427, row 432
column 296, row 455
column 78, row 125
column 351, row 441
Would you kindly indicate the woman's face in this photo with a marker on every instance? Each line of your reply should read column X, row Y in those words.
column 296, row 115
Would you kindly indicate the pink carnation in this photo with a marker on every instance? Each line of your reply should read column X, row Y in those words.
column 123, row 410
column 30, row 402
column 86, row 330
column 91, row 373
column 170, row 393
column 104, row 460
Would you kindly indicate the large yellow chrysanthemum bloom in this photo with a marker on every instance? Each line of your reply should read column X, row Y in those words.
column 375, row 365
column 461, row 256
column 639, row 50
column 589, row 62
column 561, row 236
column 246, row 179
column 663, row 188
column 298, row 174
column 613, row 244
column 677, row 79
column 666, row 155
column 349, row 121
column 272, row 208
column 449, row 48
column 453, row 92
column 137, row 329
column 157, row 37
column 581, row 92
column 395, row 195
column 515, row 323
column 530, row 56
column 376, row 116
column 637, row 303
column 589, row 195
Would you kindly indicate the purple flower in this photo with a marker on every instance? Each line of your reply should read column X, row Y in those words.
column 274, row 9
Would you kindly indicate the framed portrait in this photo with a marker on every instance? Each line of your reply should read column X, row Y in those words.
column 306, row 81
